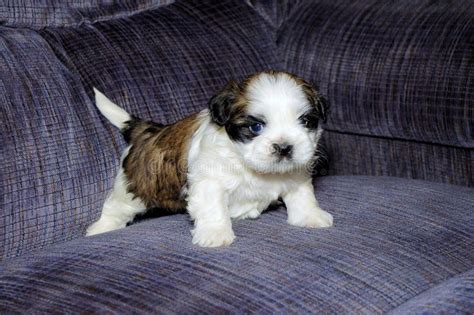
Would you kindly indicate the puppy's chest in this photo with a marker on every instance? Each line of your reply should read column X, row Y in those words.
column 253, row 194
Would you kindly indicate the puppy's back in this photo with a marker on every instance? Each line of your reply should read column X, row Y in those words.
column 156, row 165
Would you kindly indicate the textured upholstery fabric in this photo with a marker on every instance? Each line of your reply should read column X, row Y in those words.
column 398, row 76
column 393, row 239
column 454, row 296
column 397, row 69
column 162, row 64
column 55, row 170
column 274, row 12
column 166, row 63
column 37, row 14
column 362, row 155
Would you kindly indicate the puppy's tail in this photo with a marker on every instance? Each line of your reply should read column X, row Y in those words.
column 128, row 124
column 115, row 114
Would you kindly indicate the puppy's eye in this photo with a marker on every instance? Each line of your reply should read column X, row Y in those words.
column 256, row 128
column 309, row 121
column 305, row 121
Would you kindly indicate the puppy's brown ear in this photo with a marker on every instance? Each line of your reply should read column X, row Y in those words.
column 316, row 100
column 220, row 105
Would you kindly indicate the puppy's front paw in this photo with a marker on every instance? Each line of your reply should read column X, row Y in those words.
column 213, row 236
column 103, row 225
column 314, row 218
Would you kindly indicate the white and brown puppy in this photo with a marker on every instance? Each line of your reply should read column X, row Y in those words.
column 251, row 146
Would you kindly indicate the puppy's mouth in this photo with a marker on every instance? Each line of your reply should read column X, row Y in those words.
column 280, row 165
column 284, row 159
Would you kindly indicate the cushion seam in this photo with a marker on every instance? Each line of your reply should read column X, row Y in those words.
column 398, row 139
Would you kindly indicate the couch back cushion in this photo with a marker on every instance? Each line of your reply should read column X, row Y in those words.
column 398, row 76
column 162, row 64
column 399, row 69
column 166, row 63
column 36, row 15
column 55, row 169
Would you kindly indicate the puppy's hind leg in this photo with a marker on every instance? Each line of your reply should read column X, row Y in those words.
column 119, row 208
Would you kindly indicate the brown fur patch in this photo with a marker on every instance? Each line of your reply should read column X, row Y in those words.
column 156, row 165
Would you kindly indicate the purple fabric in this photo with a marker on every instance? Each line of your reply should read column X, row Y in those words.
column 165, row 64
column 453, row 296
column 38, row 14
column 398, row 77
column 56, row 171
column 162, row 64
column 393, row 239
column 361, row 155
column 395, row 69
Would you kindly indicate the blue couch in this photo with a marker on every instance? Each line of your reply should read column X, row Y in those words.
column 399, row 77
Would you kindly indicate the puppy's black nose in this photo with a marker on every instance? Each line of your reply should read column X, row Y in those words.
column 283, row 150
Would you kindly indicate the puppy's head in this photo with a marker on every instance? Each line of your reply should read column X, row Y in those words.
column 273, row 118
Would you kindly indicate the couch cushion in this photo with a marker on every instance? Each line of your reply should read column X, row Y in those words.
column 396, row 69
column 453, row 296
column 166, row 63
column 392, row 240
column 36, row 14
column 362, row 155
column 55, row 170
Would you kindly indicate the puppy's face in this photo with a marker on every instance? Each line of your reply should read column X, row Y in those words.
column 274, row 120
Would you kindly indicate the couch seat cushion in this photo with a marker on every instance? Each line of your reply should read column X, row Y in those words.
column 393, row 239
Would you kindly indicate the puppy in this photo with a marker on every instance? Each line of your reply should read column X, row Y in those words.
column 254, row 144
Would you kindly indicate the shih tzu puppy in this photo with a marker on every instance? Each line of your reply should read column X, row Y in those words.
column 250, row 147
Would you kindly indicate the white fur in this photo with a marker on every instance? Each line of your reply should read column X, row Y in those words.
column 281, row 102
column 222, row 186
column 232, row 180
column 116, row 115
column 244, row 178
column 119, row 208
